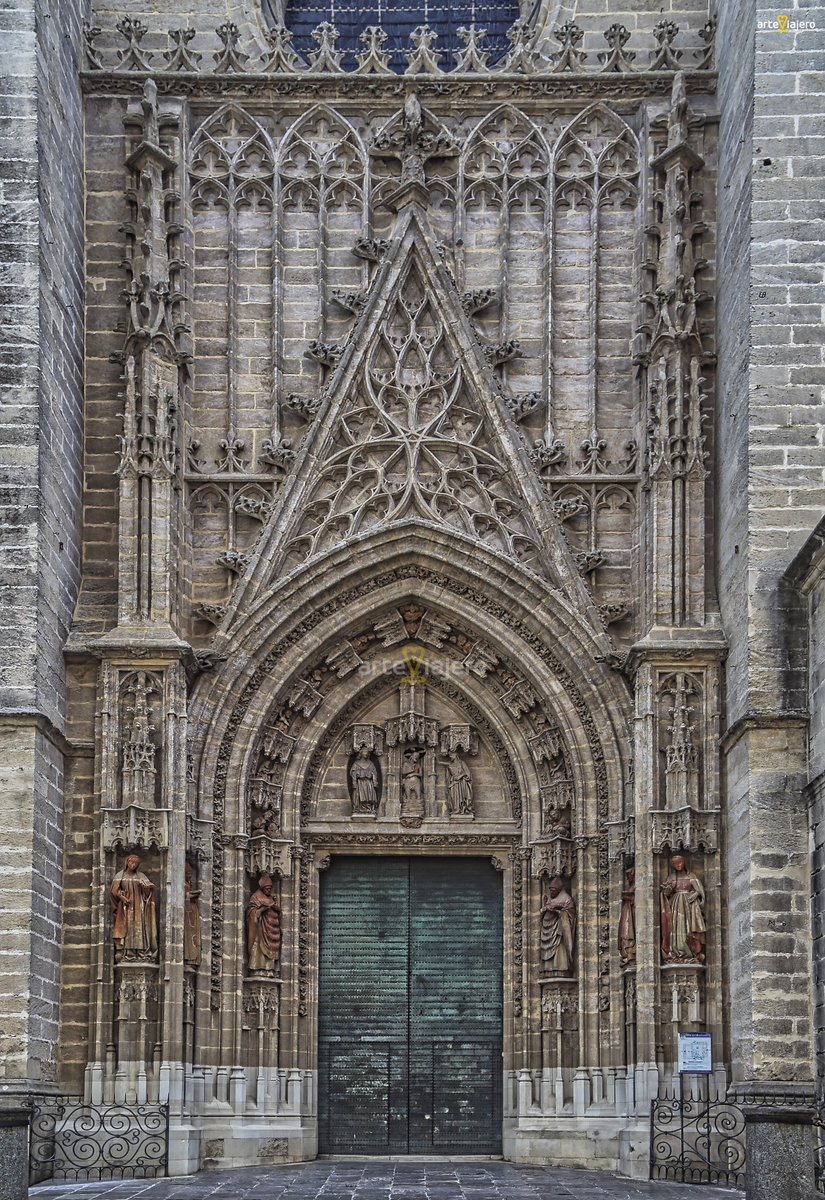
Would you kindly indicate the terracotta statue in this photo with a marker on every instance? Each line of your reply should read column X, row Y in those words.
column 191, row 920
column 558, row 928
column 263, row 928
column 364, row 778
column 459, row 785
column 683, row 915
column 412, row 783
column 135, row 930
column 627, row 921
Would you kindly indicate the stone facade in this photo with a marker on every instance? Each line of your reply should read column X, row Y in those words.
column 429, row 507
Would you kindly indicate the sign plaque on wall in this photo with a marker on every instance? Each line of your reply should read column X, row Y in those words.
column 695, row 1053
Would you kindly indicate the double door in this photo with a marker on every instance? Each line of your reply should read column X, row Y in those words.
column 410, row 1018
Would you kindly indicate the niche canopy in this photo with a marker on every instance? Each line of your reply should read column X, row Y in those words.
column 398, row 19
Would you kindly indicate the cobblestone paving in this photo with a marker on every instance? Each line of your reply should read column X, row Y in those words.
column 386, row 1181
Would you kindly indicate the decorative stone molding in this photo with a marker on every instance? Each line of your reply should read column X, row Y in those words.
column 424, row 61
column 134, row 826
column 198, row 837
column 556, row 856
column 687, row 829
column 268, row 856
column 621, row 837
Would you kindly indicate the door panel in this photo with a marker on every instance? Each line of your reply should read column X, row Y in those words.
column 410, row 1007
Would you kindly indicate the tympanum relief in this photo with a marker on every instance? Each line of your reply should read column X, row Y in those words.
column 422, row 763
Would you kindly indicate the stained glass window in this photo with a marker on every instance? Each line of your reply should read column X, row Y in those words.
column 398, row 18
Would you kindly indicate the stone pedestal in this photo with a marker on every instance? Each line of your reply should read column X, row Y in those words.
column 14, row 1153
column 781, row 1140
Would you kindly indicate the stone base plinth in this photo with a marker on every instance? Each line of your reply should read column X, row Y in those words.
column 14, row 1153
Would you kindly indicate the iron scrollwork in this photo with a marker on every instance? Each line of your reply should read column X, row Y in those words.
column 697, row 1139
column 77, row 1141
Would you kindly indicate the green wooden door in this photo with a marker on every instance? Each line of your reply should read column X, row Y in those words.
column 410, row 1007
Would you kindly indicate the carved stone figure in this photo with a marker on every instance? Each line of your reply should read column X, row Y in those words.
column 558, row 928
column 683, row 915
column 627, row 921
column 191, row 920
column 263, row 928
column 459, row 785
column 135, row 929
column 412, row 783
column 363, row 775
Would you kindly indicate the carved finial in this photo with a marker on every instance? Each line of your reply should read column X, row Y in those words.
column 569, row 57
column 230, row 58
column 677, row 126
column 133, row 58
column 665, row 58
column 522, row 55
column 233, row 448
column 708, row 35
column 90, row 34
column 473, row 58
column 617, row 58
column 422, row 59
column 180, row 57
column 373, row 59
column 327, row 58
column 281, row 56
column 149, row 105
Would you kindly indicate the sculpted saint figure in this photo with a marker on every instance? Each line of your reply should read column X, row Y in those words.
column 627, row 921
column 459, row 785
column 683, row 915
column 364, row 778
column 558, row 928
column 263, row 928
column 412, row 783
column 135, row 930
column 191, row 920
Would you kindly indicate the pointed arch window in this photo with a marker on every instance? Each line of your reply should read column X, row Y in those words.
column 398, row 19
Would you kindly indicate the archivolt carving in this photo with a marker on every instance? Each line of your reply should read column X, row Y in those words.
column 496, row 612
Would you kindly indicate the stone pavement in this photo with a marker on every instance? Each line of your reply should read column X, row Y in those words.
column 385, row 1180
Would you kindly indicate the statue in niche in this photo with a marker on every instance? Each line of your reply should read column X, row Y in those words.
column 135, row 930
column 459, row 785
column 366, row 789
column 558, row 928
column 263, row 928
column 627, row 921
column 191, row 919
column 683, row 915
column 412, row 783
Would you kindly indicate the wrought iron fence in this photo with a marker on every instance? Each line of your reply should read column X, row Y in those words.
column 697, row 1139
column 73, row 1140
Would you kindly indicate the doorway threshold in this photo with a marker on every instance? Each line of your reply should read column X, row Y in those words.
column 402, row 1158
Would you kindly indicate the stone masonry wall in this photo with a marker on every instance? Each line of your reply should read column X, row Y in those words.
column 772, row 491
column 40, row 465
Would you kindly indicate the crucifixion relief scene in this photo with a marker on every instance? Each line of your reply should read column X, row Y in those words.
column 412, row 726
